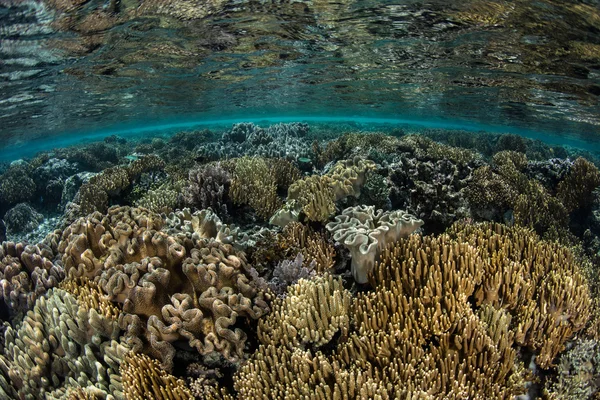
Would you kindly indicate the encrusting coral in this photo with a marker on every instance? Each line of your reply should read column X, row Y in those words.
column 366, row 232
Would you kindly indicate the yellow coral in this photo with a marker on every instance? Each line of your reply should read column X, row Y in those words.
column 143, row 379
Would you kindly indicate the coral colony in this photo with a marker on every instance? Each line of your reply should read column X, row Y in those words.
column 264, row 262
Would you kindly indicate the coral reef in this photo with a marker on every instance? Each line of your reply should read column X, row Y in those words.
column 366, row 232
column 168, row 291
column 26, row 272
column 315, row 196
column 63, row 343
column 145, row 288
column 247, row 139
column 254, row 183
column 575, row 191
column 208, row 187
column 144, row 379
column 22, row 218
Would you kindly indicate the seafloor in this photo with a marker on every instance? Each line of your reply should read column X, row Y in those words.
column 301, row 262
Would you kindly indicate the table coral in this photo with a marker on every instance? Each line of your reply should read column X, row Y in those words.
column 366, row 232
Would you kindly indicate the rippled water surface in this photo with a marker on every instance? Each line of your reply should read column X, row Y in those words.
column 69, row 65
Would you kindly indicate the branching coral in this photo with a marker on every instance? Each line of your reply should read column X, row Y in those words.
column 94, row 195
column 315, row 196
column 537, row 281
column 366, row 232
column 312, row 313
column 415, row 336
column 254, row 183
column 144, row 379
column 208, row 187
column 575, row 191
column 62, row 343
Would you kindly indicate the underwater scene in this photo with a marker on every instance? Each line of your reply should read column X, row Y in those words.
column 311, row 199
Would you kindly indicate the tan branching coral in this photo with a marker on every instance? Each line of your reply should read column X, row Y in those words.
column 143, row 379
column 63, row 343
column 539, row 282
column 575, row 191
column 315, row 196
column 415, row 336
column 366, row 232
column 312, row 313
column 285, row 172
column 297, row 238
column 254, row 183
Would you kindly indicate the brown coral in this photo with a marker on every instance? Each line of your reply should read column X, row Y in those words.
column 539, row 282
column 253, row 183
column 144, row 379
column 575, row 191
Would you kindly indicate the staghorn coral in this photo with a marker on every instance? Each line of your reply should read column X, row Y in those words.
column 535, row 208
column 285, row 173
column 366, row 232
column 415, row 336
column 312, row 313
column 539, row 282
column 208, row 187
column 254, row 183
column 144, row 379
column 316, row 250
column 163, row 199
column 26, row 272
column 576, row 190
column 315, row 196
column 61, row 344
